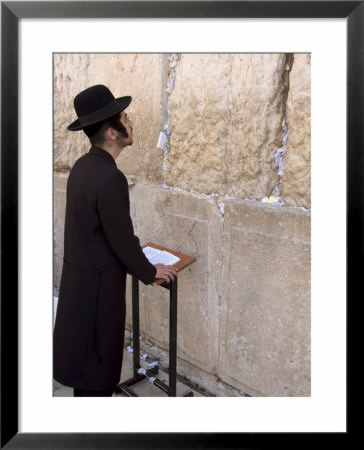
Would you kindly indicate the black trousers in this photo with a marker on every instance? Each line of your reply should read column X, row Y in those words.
column 90, row 393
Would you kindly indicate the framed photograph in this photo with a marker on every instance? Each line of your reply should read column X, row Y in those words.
column 38, row 420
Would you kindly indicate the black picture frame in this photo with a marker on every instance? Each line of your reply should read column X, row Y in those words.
column 11, row 12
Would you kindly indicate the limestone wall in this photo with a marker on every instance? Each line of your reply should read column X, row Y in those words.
column 238, row 129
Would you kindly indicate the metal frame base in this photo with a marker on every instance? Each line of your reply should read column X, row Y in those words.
column 169, row 389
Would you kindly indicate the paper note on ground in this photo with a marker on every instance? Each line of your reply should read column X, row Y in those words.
column 156, row 256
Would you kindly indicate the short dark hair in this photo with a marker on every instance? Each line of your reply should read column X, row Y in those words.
column 96, row 133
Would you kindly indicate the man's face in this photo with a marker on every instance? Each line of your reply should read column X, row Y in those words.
column 128, row 124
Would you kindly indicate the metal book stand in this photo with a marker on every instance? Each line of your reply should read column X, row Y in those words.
column 139, row 375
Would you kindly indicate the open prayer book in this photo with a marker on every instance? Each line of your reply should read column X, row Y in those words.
column 156, row 256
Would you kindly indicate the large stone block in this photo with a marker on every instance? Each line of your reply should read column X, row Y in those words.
column 296, row 182
column 265, row 324
column 226, row 116
column 190, row 224
column 139, row 75
column 259, row 84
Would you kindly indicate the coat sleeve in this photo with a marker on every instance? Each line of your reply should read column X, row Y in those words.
column 114, row 212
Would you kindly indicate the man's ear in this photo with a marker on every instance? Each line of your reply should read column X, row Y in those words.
column 111, row 134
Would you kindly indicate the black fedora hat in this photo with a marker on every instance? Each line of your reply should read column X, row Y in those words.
column 96, row 104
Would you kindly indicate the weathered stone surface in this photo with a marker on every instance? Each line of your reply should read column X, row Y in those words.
column 244, row 305
column 70, row 77
column 266, row 308
column 259, row 86
column 296, row 183
column 138, row 75
column 226, row 116
column 185, row 223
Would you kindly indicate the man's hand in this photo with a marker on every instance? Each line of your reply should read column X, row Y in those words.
column 166, row 272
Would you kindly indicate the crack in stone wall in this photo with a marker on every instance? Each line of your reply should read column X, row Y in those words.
column 274, row 196
column 164, row 142
column 296, row 181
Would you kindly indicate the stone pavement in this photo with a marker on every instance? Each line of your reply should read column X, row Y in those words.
column 144, row 388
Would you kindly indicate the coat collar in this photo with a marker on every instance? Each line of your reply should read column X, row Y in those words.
column 98, row 151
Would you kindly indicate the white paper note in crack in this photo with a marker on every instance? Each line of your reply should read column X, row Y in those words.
column 156, row 256
column 162, row 141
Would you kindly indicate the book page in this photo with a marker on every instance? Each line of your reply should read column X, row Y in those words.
column 156, row 256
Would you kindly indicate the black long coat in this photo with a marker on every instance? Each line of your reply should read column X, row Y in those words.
column 99, row 248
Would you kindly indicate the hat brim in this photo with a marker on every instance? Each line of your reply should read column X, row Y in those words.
column 122, row 103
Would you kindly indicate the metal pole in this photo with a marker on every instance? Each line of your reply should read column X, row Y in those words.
column 135, row 313
column 173, row 338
